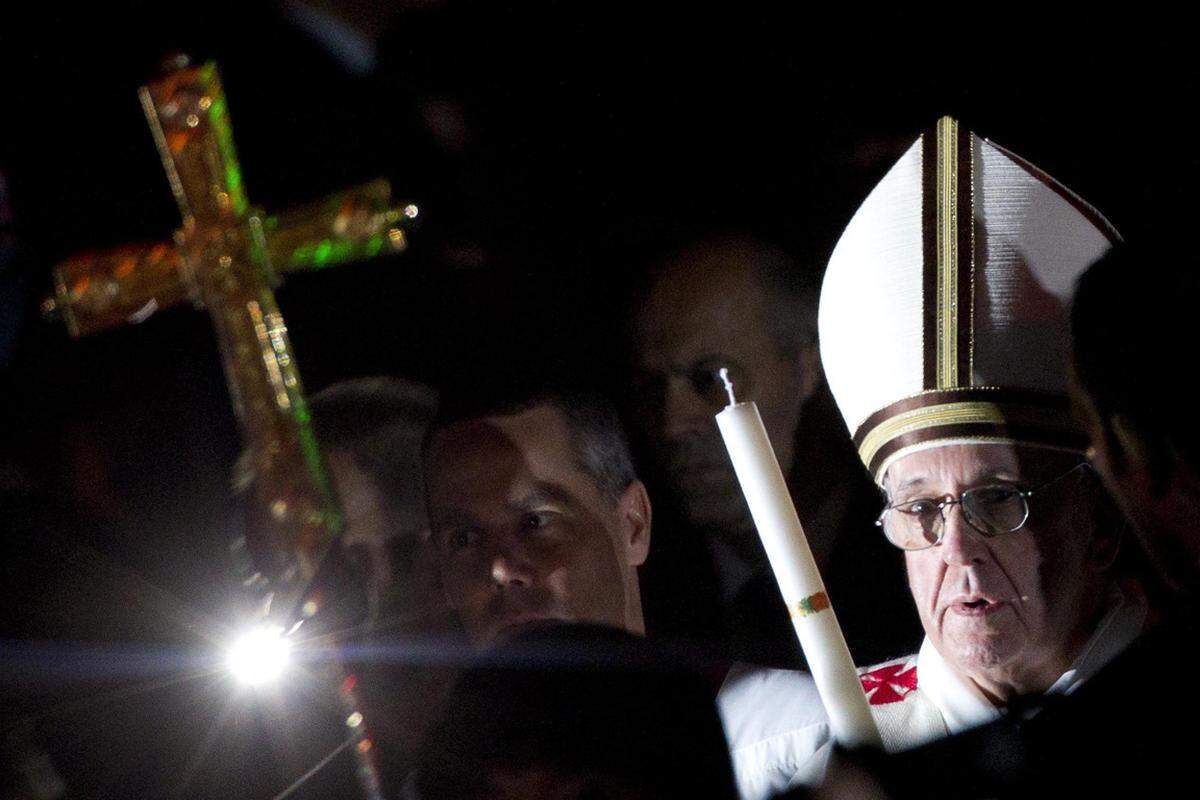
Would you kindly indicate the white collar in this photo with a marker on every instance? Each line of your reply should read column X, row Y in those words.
column 964, row 706
column 961, row 703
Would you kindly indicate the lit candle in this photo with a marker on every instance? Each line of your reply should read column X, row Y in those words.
column 796, row 573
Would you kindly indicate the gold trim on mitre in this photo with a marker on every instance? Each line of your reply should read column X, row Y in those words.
column 947, row 253
column 979, row 414
column 950, row 254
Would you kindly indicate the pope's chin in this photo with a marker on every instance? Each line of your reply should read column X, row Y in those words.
column 975, row 644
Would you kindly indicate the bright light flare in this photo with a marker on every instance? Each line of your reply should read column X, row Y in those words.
column 259, row 656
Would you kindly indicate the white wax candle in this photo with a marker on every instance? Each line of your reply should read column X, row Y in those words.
column 796, row 573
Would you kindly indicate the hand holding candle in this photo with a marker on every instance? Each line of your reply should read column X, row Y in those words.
column 796, row 573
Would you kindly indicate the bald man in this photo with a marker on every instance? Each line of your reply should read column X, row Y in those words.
column 740, row 303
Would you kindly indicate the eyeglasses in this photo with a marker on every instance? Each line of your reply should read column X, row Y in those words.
column 991, row 510
column 704, row 377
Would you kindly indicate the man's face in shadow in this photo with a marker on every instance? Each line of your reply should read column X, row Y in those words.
column 524, row 535
column 389, row 544
column 1159, row 507
column 706, row 311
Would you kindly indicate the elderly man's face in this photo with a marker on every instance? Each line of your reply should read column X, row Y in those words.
column 704, row 313
column 1010, row 609
column 524, row 535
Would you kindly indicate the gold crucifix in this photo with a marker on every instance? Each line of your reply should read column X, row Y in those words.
column 227, row 258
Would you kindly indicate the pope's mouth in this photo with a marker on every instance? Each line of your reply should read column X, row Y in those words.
column 976, row 607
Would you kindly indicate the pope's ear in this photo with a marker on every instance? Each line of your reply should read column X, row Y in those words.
column 1106, row 544
column 634, row 511
column 1109, row 526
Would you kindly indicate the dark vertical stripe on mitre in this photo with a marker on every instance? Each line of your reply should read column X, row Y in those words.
column 929, row 261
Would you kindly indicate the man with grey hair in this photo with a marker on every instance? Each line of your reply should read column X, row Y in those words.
column 741, row 303
column 370, row 430
column 536, row 512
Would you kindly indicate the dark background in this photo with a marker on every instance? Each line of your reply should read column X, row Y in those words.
column 551, row 147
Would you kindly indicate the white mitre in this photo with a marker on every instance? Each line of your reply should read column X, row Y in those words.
column 944, row 310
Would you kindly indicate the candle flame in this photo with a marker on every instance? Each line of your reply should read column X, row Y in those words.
column 723, row 372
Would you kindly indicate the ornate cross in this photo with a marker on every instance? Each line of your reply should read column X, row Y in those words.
column 226, row 258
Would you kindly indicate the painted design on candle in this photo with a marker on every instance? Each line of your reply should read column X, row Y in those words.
column 813, row 604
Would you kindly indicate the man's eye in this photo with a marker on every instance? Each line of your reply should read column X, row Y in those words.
column 535, row 520
column 461, row 538
column 921, row 507
column 706, row 379
column 996, row 495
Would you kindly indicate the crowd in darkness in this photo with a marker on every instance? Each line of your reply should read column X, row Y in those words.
column 547, row 582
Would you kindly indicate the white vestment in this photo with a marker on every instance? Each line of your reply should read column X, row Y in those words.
column 779, row 735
